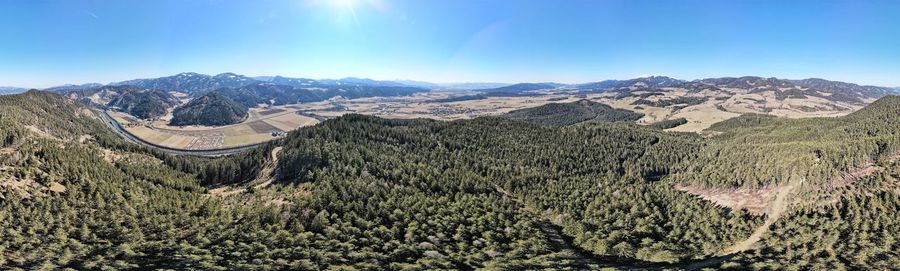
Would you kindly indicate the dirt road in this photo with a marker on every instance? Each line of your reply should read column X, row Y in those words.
column 774, row 212
column 264, row 178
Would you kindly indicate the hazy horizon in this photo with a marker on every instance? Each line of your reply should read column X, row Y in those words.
column 437, row 83
column 51, row 43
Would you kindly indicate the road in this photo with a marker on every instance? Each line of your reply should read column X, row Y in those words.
column 131, row 137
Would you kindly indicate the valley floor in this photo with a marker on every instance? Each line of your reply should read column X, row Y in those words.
column 270, row 122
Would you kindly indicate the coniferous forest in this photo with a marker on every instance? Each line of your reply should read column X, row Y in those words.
column 365, row 193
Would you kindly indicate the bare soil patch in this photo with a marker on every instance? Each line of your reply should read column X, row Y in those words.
column 57, row 187
column 263, row 179
column 783, row 199
column 271, row 111
column 262, row 127
column 755, row 201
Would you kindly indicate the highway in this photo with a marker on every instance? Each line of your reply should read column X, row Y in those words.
column 207, row 153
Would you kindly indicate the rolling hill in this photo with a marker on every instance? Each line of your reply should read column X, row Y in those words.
column 276, row 94
column 144, row 104
column 191, row 83
column 210, row 109
column 561, row 114
column 518, row 89
column 11, row 90
column 196, row 84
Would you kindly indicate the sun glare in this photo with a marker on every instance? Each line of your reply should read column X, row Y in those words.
column 344, row 4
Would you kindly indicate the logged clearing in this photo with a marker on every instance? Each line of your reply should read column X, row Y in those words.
column 772, row 201
column 755, row 201
column 773, row 213
column 265, row 177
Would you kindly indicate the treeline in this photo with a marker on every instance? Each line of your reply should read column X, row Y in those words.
column 668, row 124
column 562, row 114
column 672, row 101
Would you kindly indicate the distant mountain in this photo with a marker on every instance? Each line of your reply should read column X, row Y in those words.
column 521, row 89
column 353, row 81
column 70, row 87
column 11, row 90
column 781, row 88
column 211, row 109
column 144, row 104
column 451, row 86
column 800, row 89
column 280, row 94
column 139, row 102
column 561, row 114
column 96, row 96
column 865, row 91
column 191, row 83
column 287, row 81
column 748, row 82
column 421, row 84
column 474, row 85
column 642, row 82
column 264, row 89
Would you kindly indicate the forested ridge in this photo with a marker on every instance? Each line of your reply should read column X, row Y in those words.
column 758, row 150
column 212, row 109
column 365, row 193
column 144, row 104
column 561, row 114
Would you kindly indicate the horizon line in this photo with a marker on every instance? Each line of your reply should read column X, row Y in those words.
column 435, row 82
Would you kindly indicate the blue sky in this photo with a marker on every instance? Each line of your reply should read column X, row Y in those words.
column 47, row 43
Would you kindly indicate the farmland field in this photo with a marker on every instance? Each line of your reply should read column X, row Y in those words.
column 262, row 125
column 268, row 122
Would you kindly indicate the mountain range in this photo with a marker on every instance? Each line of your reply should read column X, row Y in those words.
column 247, row 91
column 192, row 83
column 782, row 88
column 747, row 94
column 11, row 90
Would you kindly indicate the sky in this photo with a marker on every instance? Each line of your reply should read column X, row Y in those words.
column 47, row 43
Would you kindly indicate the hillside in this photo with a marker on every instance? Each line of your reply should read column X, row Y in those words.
column 191, row 83
column 274, row 94
column 643, row 82
column 144, row 104
column 210, row 109
column 197, row 84
column 11, row 90
column 72, row 87
column 561, row 114
column 815, row 149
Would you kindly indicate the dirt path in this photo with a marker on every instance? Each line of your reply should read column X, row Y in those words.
column 263, row 179
column 773, row 213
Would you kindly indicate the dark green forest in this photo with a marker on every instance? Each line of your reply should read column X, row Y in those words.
column 210, row 109
column 669, row 123
column 144, row 104
column 562, row 114
column 366, row 193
